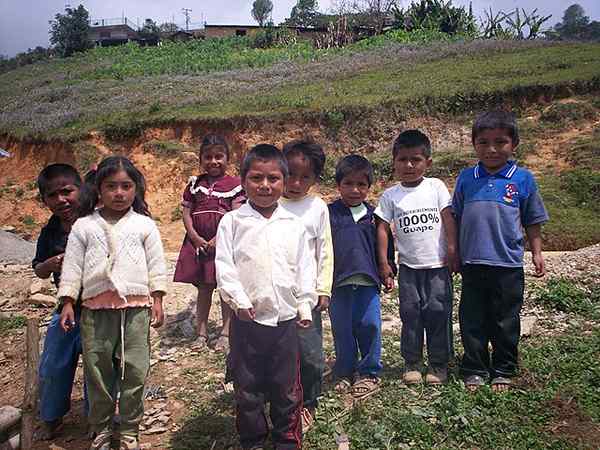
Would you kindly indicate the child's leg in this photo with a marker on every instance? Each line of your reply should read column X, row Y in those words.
column 366, row 317
column 507, row 300
column 411, row 336
column 311, row 360
column 346, row 348
column 100, row 337
column 475, row 320
column 226, row 314
column 437, row 293
column 203, row 308
column 136, row 342
column 247, row 365
column 284, row 386
column 58, row 363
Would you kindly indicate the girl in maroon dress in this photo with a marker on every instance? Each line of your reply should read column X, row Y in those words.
column 205, row 200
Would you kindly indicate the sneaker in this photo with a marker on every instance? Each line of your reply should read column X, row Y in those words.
column 129, row 443
column 102, row 440
column 412, row 374
column 436, row 375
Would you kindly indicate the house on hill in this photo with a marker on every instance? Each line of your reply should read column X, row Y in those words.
column 106, row 32
column 220, row 31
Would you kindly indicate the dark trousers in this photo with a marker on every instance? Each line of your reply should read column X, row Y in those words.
column 425, row 306
column 489, row 310
column 312, row 360
column 265, row 368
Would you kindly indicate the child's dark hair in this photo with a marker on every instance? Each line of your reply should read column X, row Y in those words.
column 53, row 171
column 211, row 140
column 412, row 139
column 108, row 167
column 310, row 150
column 264, row 153
column 352, row 164
column 490, row 120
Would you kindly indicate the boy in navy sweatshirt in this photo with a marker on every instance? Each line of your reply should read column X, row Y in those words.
column 355, row 309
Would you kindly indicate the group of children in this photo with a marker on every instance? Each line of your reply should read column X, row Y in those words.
column 277, row 256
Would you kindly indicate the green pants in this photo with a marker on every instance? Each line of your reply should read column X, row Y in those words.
column 103, row 349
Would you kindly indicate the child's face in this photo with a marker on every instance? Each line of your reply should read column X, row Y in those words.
column 301, row 177
column 410, row 165
column 354, row 188
column 62, row 198
column 213, row 160
column 117, row 192
column 264, row 184
column 494, row 147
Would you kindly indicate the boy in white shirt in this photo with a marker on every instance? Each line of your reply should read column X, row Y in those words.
column 266, row 273
column 420, row 209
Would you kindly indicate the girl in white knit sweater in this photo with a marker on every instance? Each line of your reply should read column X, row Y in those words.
column 114, row 257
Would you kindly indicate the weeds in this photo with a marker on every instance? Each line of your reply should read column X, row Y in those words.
column 584, row 186
column 565, row 295
column 86, row 155
column 560, row 113
column 11, row 323
column 177, row 214
column 28, row 221
column 164, row 149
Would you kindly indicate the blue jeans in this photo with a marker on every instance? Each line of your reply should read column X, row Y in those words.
column 355, row 313
column 57, row 369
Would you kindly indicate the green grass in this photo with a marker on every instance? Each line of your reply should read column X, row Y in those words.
column 336, row 90
column 11, row 323
column 565, row 295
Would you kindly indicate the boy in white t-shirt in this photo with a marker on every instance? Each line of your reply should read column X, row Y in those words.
column 420, row 209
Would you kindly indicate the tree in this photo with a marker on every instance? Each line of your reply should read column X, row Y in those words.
column 304, row 14
column 150, row 31
column 168, row 27
column 261, row 11
column 69, row 32
column 575, row 24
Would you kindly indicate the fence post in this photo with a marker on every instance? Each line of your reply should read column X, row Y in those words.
column 31, row 384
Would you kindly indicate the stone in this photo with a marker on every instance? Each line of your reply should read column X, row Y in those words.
column 42, row 300
column 8, row 228
column 156, row 430
column 14, row 250
column 527, row 325
column 37, row 286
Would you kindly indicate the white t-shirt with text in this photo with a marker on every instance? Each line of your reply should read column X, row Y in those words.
column 415, row 213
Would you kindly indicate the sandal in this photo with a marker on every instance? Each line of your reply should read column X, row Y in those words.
column 200, row 344
column 342, row 386
column 50, row 430
column 222, row 343
column 501, row 384
column 365, row 387
column 102, row 440
column 474, row 382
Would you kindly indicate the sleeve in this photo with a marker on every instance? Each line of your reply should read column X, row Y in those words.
column 458, row 200
column 155, row 261
column 532, row 207
column 42, row 249
column 231, row 290
column 71, row 279
column 188, row 197
column 385, row 210
column 305, row 279
column 444, row 198
column 324, row 251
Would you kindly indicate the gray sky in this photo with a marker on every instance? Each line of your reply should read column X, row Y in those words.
column 24, row 23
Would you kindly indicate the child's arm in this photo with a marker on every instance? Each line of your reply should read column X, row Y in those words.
column 71, row 277
column 155, row 262
column 306, row 282
column 385, row 270
column 534, row 234
column 231, row 290
column 451, row 239
column 324, row 250
column 196, row 239
column 44, row 265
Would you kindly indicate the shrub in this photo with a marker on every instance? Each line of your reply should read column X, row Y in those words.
column 176, row 214
column 28, row 221
column 86, row 155
column 164, row 149
column 11, row 323
column 584, row 185
column 568, row 112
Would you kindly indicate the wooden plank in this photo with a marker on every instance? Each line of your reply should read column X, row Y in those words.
column 31, row 384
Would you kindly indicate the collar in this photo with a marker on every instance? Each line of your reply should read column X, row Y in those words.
column 507, row 171
column 246, row 210
column 54, row 224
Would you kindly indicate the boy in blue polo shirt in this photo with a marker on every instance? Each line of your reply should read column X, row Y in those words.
column 493, row 202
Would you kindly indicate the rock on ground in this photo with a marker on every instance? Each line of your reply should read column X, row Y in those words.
column 14, row 250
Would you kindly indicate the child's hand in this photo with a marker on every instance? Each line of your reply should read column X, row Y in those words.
column 158, row 314
column 323, row 303
column 67, row 317
column 54, row 264
column 540, row 265
column 200, row 244
column 211, row 244
column 246, row 315
column 305, row 323
column 387, row 276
